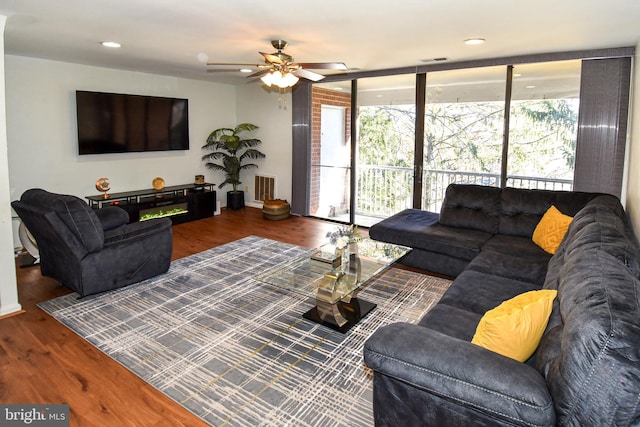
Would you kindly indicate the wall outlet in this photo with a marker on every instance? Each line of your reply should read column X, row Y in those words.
column 246, row 188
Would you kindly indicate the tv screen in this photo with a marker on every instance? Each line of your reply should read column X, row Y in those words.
column 117, row 123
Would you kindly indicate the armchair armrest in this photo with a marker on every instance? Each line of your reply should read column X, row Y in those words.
column 460, row 372
column 112, row 217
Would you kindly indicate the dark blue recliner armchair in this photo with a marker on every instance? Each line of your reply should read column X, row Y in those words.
column 93, row 251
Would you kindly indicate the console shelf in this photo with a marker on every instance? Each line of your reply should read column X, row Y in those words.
column 181, row 203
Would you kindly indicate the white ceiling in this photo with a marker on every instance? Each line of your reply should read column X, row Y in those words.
column 170, row 37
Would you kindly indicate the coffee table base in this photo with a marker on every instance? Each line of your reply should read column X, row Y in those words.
column 340, row 316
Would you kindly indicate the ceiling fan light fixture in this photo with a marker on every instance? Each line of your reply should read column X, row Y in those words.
column 279, row 79
column 267, row 79
column 287, row 80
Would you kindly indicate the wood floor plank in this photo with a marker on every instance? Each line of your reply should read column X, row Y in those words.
column 43, row 362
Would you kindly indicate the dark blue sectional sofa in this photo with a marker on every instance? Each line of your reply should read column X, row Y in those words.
column 586, row 370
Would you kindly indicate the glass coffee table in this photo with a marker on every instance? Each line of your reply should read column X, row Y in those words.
column 335, row 287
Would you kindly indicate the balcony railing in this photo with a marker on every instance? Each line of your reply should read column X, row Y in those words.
column 385, row 190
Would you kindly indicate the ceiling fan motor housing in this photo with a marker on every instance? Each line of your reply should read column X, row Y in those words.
column 280, row 45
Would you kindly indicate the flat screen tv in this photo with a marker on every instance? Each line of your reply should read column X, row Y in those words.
column 118, row 123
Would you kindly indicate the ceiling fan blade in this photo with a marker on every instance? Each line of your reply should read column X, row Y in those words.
column 259, row 73
column 230, row 64
column 272, row 58
column 323, row 65
column 223, row 70
column 309, row 75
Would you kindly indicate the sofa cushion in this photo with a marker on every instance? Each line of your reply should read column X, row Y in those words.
column 404, row 227
column 599, row 225
column 610, row 239
column 475, row 207
column 479, row 292
column 420, row 229
column 521, row 210
column 600, row 210
column 592, row 359
column 434, row 262
column 551, row 229
column 521, row 265
column 516, row 245
column 453, row 321
column 456, row 242
column 514, row 328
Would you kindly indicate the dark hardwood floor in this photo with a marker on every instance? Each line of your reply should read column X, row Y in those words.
column 43, row 362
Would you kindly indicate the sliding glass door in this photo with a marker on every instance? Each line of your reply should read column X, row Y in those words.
column 384, row 171
column 331, row 152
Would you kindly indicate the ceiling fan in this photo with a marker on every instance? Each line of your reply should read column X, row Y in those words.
column 280, row 70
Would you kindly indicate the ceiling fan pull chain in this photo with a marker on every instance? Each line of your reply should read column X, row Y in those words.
column 282, row 101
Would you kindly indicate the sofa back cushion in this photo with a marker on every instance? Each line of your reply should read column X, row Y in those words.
column 476, row 207
column 601, row 224
column 590, row 358
column 522, row 210
column 604, row 210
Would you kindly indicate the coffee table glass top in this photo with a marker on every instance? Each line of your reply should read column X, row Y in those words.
column 305, row 276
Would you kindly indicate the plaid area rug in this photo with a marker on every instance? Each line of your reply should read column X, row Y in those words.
column 235, row 351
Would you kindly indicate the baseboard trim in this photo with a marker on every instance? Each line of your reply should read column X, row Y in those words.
column 13, row 313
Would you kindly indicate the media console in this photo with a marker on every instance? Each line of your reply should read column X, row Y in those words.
column 181, row 203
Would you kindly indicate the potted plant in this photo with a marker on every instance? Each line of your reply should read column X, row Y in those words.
column 228, row 146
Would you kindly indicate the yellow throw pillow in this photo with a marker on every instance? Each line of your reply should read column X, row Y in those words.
column 515, row 327
column 551, row 230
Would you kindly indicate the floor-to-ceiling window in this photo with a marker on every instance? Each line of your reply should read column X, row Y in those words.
column 384, row 167
column 543, row 125
column 463, row 130
column 531, row 122
column 465, row 126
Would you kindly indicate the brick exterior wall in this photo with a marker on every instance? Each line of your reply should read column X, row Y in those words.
column 321, row 96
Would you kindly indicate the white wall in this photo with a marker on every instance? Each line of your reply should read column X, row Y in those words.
column 272, row 112
column 41, row 128
column 632, row 204
column 40, row 148
column 8, row 289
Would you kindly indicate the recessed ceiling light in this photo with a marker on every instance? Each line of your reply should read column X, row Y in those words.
column 245, row 70
column 530, row 87
column 114, row 45
column 475, row 40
